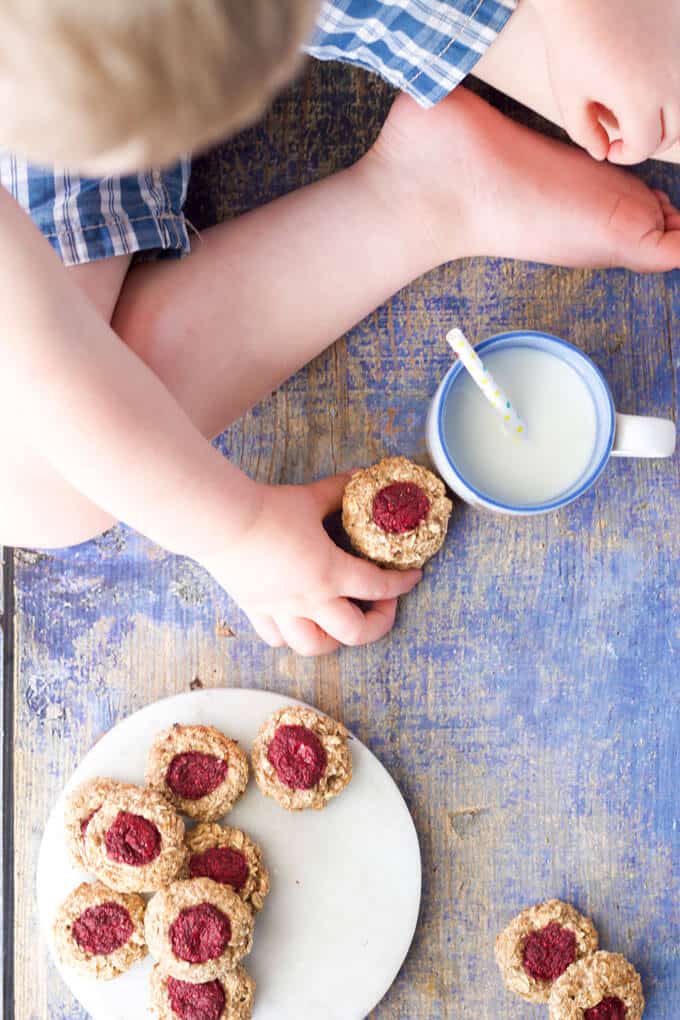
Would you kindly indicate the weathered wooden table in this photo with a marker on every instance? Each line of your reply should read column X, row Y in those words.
column 527, row 702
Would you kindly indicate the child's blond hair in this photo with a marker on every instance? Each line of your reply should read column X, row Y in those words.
column 140, row 80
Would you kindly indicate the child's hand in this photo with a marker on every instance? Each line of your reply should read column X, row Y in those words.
column 294, row 583
column 614, row 65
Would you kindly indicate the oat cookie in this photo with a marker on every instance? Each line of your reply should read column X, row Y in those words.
column 135, row 842
column 229, row 857
column 99, row 932
column 227, row 997
column 602, row 986
column 301, row 758
column 540, row 944
column 198, row 769
column 197, row 929
column 80, row 808
column 396, row 513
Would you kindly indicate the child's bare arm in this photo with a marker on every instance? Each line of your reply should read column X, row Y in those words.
column 613, row 64
column 95, row 412
column 106, row 423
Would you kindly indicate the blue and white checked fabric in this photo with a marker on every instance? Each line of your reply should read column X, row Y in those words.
column 86, row 219
column 423, row 47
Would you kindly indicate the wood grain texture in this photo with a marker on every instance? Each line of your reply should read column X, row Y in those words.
column 527, row 702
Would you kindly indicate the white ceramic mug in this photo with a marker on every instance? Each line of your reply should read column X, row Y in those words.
column 617, row 435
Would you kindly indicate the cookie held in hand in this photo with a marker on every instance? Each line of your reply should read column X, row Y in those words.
column 396, row 513
column 540, row 944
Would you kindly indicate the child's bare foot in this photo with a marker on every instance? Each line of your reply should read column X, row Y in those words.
column 615, row 65
column 476, row 183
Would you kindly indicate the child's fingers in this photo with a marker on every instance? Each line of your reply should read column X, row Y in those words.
column 328, row 492
column 350, row 626
column 304, row 637
column 359, row 579
column 267, row 629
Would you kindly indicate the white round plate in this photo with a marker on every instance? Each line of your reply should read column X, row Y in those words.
column 345, row 895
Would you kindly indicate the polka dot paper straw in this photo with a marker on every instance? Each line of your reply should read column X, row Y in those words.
column 486, row 382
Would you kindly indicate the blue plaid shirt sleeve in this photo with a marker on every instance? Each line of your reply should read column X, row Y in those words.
column 85, row 218
column 423, row 47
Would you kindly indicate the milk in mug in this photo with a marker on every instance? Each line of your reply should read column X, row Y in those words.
column 561, row 420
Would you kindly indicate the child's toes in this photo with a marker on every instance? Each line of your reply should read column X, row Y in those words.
column 658, row 252
column 663, row 197
column 672, row 219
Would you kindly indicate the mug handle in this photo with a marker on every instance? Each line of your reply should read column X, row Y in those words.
column 639, row 436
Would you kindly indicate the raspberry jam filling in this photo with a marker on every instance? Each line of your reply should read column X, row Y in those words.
column 86, row 821
column 222, row 864
column 611, row 1008
column 549, row 951
column 132, row 840
column 193, row 775
column 200, row 933
column 196, row 1002
column 102, row 929
column 400, row 507
column 298, row 757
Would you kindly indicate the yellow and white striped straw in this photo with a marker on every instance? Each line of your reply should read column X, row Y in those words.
column 486, row 382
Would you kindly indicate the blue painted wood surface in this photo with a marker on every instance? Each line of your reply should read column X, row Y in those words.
column 527, row 702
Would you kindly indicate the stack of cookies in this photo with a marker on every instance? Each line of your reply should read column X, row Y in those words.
column 208, row 880
column 549, row 954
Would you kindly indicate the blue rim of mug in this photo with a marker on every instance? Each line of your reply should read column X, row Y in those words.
column 527, row 508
